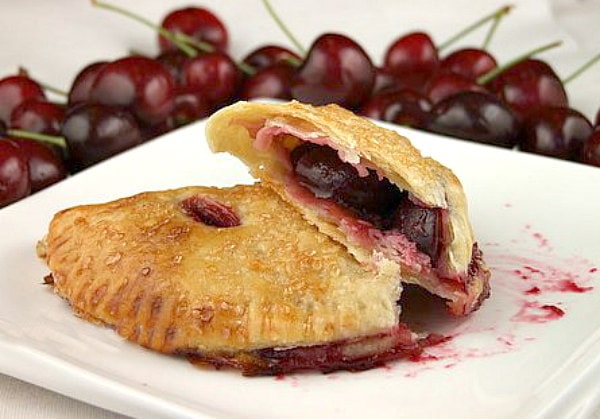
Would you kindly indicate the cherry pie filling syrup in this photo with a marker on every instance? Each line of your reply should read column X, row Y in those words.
column 371, row 211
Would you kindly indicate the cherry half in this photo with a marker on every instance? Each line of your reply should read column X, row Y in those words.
column 336, row 70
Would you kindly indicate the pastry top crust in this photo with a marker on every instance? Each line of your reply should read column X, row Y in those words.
column 171, row 283
column 233, row 129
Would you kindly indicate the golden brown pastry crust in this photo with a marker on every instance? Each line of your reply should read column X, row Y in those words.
column 176, row 285
column 233, row 129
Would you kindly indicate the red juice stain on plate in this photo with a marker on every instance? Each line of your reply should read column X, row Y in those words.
column 534, row 312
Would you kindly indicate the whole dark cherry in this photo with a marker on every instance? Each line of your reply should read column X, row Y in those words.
column 336, row 70
column 556, row 132
column 46, row 166
column 471, row 63
column 215, row 75
column 403, row 107
column 386, row 82
column 15, row 90
column 37, row 115
column 591, row 150
column 413, row 58
column 444, row 84
column 95, row 132
column 475, row 116
column 14, row 173
column 174, row 61
column 83, row 82
column 269, row 82
column 190, row 106
column 320, row 169
column 529, row 85
column 143, row 85
column 268, row 55
column 198, row 23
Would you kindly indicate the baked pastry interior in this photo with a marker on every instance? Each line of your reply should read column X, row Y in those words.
column 365, row 186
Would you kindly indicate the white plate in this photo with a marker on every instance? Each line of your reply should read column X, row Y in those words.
column 536, row 220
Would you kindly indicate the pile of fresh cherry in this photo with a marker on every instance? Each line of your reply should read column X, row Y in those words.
column 113, row 106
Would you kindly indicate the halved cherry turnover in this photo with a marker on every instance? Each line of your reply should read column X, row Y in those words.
column 366, row 187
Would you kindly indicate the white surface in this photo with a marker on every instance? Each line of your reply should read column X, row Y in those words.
column 496, row 366
column 42, row 343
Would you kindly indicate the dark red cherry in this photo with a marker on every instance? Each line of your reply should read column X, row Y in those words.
column 37, row 115
column 475, row 116
column 141, row 84
column 198, row 23
column 591, row 150
column 14, row 173
column 269, row 82
column 215, row 75
column 444, row 84
column 385, row 82
column 82, row 85
column 95, row 132
column 320, row 169
column 174, row 61
column 268, row 55
column 404, row 107
column 529, row 85
column 336, row 70
column 555, row 132
column 15, row 90
column 420, row 225
column 413, row 58
column 190, row 105
column 46, row 166
column 469, row 62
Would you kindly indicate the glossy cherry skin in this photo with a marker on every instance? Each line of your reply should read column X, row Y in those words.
column 14, row 173
column 141, row 84
column 555, row 132
column 83, row 82
column 15, row 90
column 471, row 63
column 190, row 105
column 320, row 169
column 404, row 107
column 269, row 82
column 174, row 61
column 413, row 58
column 336, row 70
column 95, row 132
column 475, row 116
column 591, row 150
column 529, row 85
column 268, row 55
column 215, row 75
column 46, row 166
column 444, row 84
column 197, row 22
column 38, row 116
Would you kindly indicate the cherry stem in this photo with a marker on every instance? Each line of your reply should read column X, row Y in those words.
column 46, row 138
column 283, row 27
column 185, row 43
column 492, row 16
column 493, row 28
column 492, row 74
column 581, row 69
column 186, row 49
column 24, row 72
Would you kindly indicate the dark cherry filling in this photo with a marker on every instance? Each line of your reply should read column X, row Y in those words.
column 319, row 169
column 210, row 212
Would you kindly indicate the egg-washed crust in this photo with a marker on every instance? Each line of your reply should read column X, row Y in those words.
column 233, row 129
column 173, row 284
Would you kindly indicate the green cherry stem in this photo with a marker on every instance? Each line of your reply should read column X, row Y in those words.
column 492, row 16
column 283, row 27
column 494, row 27
column 46, row 138
column 186, row 49
column 581, row 69
column 24, row 72
column 490, row 75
